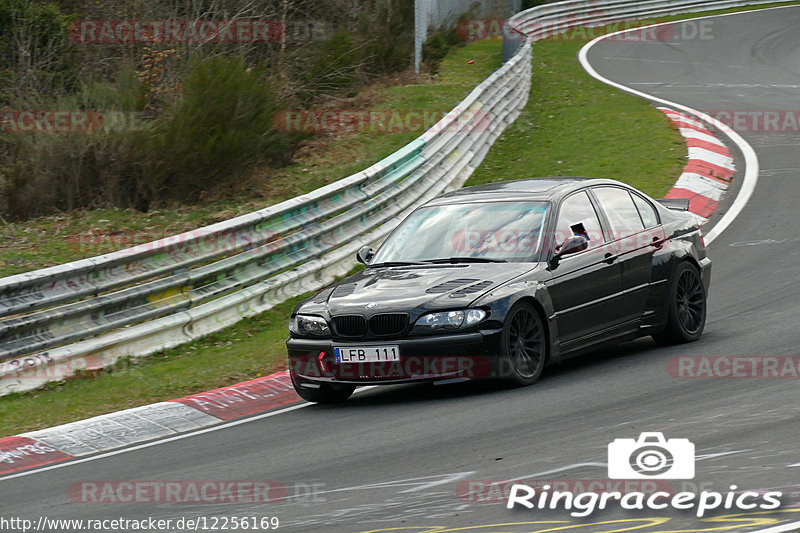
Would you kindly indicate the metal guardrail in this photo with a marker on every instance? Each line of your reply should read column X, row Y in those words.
column 89, row 313
column 550, row 19
column 430, row 14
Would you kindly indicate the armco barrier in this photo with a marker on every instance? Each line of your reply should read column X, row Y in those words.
column 88, row 313
column 549, row 19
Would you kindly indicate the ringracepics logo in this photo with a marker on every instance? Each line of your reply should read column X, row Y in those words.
column 653, row 457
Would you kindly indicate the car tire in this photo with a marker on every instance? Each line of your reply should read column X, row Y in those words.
column 686, row 307
column 523, row 346
column 326, row 393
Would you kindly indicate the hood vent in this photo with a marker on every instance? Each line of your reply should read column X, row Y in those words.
column 448, row 286
column 344, row 290
column 322, row 297
column 477, row 287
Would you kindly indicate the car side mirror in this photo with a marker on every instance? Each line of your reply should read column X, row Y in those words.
column 573, row 245
column 365, row 254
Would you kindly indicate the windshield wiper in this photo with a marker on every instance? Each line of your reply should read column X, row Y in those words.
column 396, row 264
column 466, row 260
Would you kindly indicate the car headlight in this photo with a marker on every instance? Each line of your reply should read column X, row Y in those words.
column 309, row 325
column 449, row 319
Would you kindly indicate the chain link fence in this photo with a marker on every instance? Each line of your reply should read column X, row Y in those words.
column 442, row 13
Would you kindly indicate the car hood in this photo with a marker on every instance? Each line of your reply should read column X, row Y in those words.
column 416, row 289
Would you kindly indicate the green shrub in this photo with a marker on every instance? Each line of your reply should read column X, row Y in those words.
column 389, row 37
column 333, row 69
column 46, row 172
column 223, row 122
column 35, row 52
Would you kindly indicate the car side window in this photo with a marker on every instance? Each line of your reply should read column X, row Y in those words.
column 647, row 211
column 578, row 209
column 620, row 211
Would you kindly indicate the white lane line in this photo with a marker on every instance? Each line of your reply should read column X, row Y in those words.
column 182, row 436
column 719, row 454
column 751, row 164
column 750, row 158
column 793, row 527
column 552, row 471
column 154, row 443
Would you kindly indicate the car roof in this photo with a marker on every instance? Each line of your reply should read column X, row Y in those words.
column 545, row 189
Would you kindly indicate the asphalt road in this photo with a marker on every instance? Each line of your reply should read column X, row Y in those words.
column 396, row 457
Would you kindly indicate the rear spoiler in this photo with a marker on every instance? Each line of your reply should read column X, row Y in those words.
column 676, row 204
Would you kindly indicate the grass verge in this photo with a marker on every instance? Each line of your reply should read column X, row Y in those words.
column 556, row 134
column 574, row 125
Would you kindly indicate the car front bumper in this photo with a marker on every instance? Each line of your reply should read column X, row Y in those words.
column 469, row 355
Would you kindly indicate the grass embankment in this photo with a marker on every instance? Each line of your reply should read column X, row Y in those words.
column 572, row 125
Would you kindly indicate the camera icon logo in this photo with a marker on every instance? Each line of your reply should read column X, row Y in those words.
column 651, row 457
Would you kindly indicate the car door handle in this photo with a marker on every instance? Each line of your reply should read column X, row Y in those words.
column 658, row 242
column 610, row 258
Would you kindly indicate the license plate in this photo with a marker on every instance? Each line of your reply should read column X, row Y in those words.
column 366, row 354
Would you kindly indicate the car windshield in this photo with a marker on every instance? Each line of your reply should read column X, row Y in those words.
column 501, row 231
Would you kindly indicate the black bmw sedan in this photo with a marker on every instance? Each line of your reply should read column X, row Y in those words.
column 499, row 280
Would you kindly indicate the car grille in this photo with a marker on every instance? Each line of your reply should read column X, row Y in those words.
column 388, row 324
column 382, row 325
column 350, row 325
